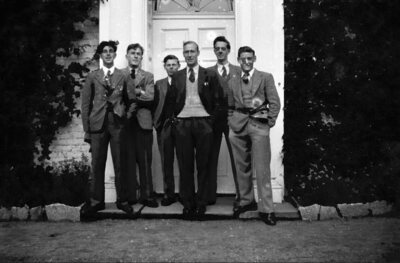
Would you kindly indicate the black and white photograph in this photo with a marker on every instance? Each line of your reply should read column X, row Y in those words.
column 200, row 131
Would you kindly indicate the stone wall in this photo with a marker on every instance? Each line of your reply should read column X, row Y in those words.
column 69, row 140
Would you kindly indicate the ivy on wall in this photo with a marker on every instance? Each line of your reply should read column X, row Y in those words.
column 342, row 124
column 37, row 95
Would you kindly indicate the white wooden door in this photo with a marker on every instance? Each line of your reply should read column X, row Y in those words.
column 169, row 33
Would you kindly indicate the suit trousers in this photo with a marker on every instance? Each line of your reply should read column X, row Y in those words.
column 166, row 146
column 193, row 139
column 112, row 133
column 144, row 156
column 221, row 128
column 129, row 158
column 252, row 155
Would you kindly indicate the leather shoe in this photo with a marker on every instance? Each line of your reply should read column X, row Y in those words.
column 149, row 202
column 200, row 210
column 125, row 207
column 268, row 218
column 166, row 201
column 187, row 213
column 237, row 210
column 87, row 209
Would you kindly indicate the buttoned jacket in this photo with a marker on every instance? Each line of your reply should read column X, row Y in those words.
column 96, row 98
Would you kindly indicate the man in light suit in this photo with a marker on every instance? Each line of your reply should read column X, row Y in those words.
column 225, row 71
column 255, row 106
column 165, row 139
column 104, row 103
column 140, row 87
column 191, row 105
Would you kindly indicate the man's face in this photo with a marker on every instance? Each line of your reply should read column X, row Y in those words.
column 134, row 57
column 191, row 54
column 221, row 51
column 108, row 55
column 246, row 61
column 171, row 66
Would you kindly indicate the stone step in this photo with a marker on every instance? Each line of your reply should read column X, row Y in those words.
column 221, row 210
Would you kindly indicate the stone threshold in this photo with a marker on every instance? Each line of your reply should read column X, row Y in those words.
column 221, row 210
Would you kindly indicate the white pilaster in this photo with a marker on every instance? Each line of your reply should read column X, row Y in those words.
column 259, row 24
column 125, row 21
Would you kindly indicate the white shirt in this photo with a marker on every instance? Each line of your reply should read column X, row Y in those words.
column 105, row 70
column 251, row 72
column 220, row 66
column 169, row 80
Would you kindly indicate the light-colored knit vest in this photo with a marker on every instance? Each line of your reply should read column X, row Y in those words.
column 246, row 93
column 193, row 106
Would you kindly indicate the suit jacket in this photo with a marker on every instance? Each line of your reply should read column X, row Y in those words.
column 221, row 115
column 210, row 92
column 160, row 93
column 145, row 82
column 263, row 87
column 95, row 99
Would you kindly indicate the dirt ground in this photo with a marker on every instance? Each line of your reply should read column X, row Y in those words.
column 153, row 240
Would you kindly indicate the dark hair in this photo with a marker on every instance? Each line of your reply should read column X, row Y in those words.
column 135, row 46
column 246, row 49
column 222, row 39
column 168, row 57
column 103, row 44
column 190, row 42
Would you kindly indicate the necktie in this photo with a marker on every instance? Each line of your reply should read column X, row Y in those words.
column 191, row 75
column 107, row 78
column 132, row 73
column 245, row 77
column 224, row 72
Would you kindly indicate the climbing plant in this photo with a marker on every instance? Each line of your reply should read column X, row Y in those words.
column 37, row 95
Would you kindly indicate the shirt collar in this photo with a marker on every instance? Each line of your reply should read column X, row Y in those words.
column 105, row 70
column 195, row 69
column 226, row 65
column 169, row 79
column 251, row 72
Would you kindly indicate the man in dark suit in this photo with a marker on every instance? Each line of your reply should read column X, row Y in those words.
column 165, row 139
column 255, row 103
column 194, row 98
column 140, row 87
column 103, row 118
column 224, row 70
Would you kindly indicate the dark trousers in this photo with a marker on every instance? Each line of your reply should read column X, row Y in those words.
column 112, row 133
column 220, row 128
column 144, row 156
column 166, row 146
column 129, row 158
column 193, row 139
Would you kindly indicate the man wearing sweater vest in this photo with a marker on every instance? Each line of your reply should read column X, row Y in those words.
column 255, row 105
column 195, row 97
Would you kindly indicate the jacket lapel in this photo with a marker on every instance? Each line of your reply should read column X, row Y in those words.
column 256, row 81
column 100, row 77
column 180, row 83
column 201, row 79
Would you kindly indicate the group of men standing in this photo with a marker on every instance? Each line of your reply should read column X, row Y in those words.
column 190, row 110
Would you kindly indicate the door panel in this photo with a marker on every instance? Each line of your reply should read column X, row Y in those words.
column 168, row 38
